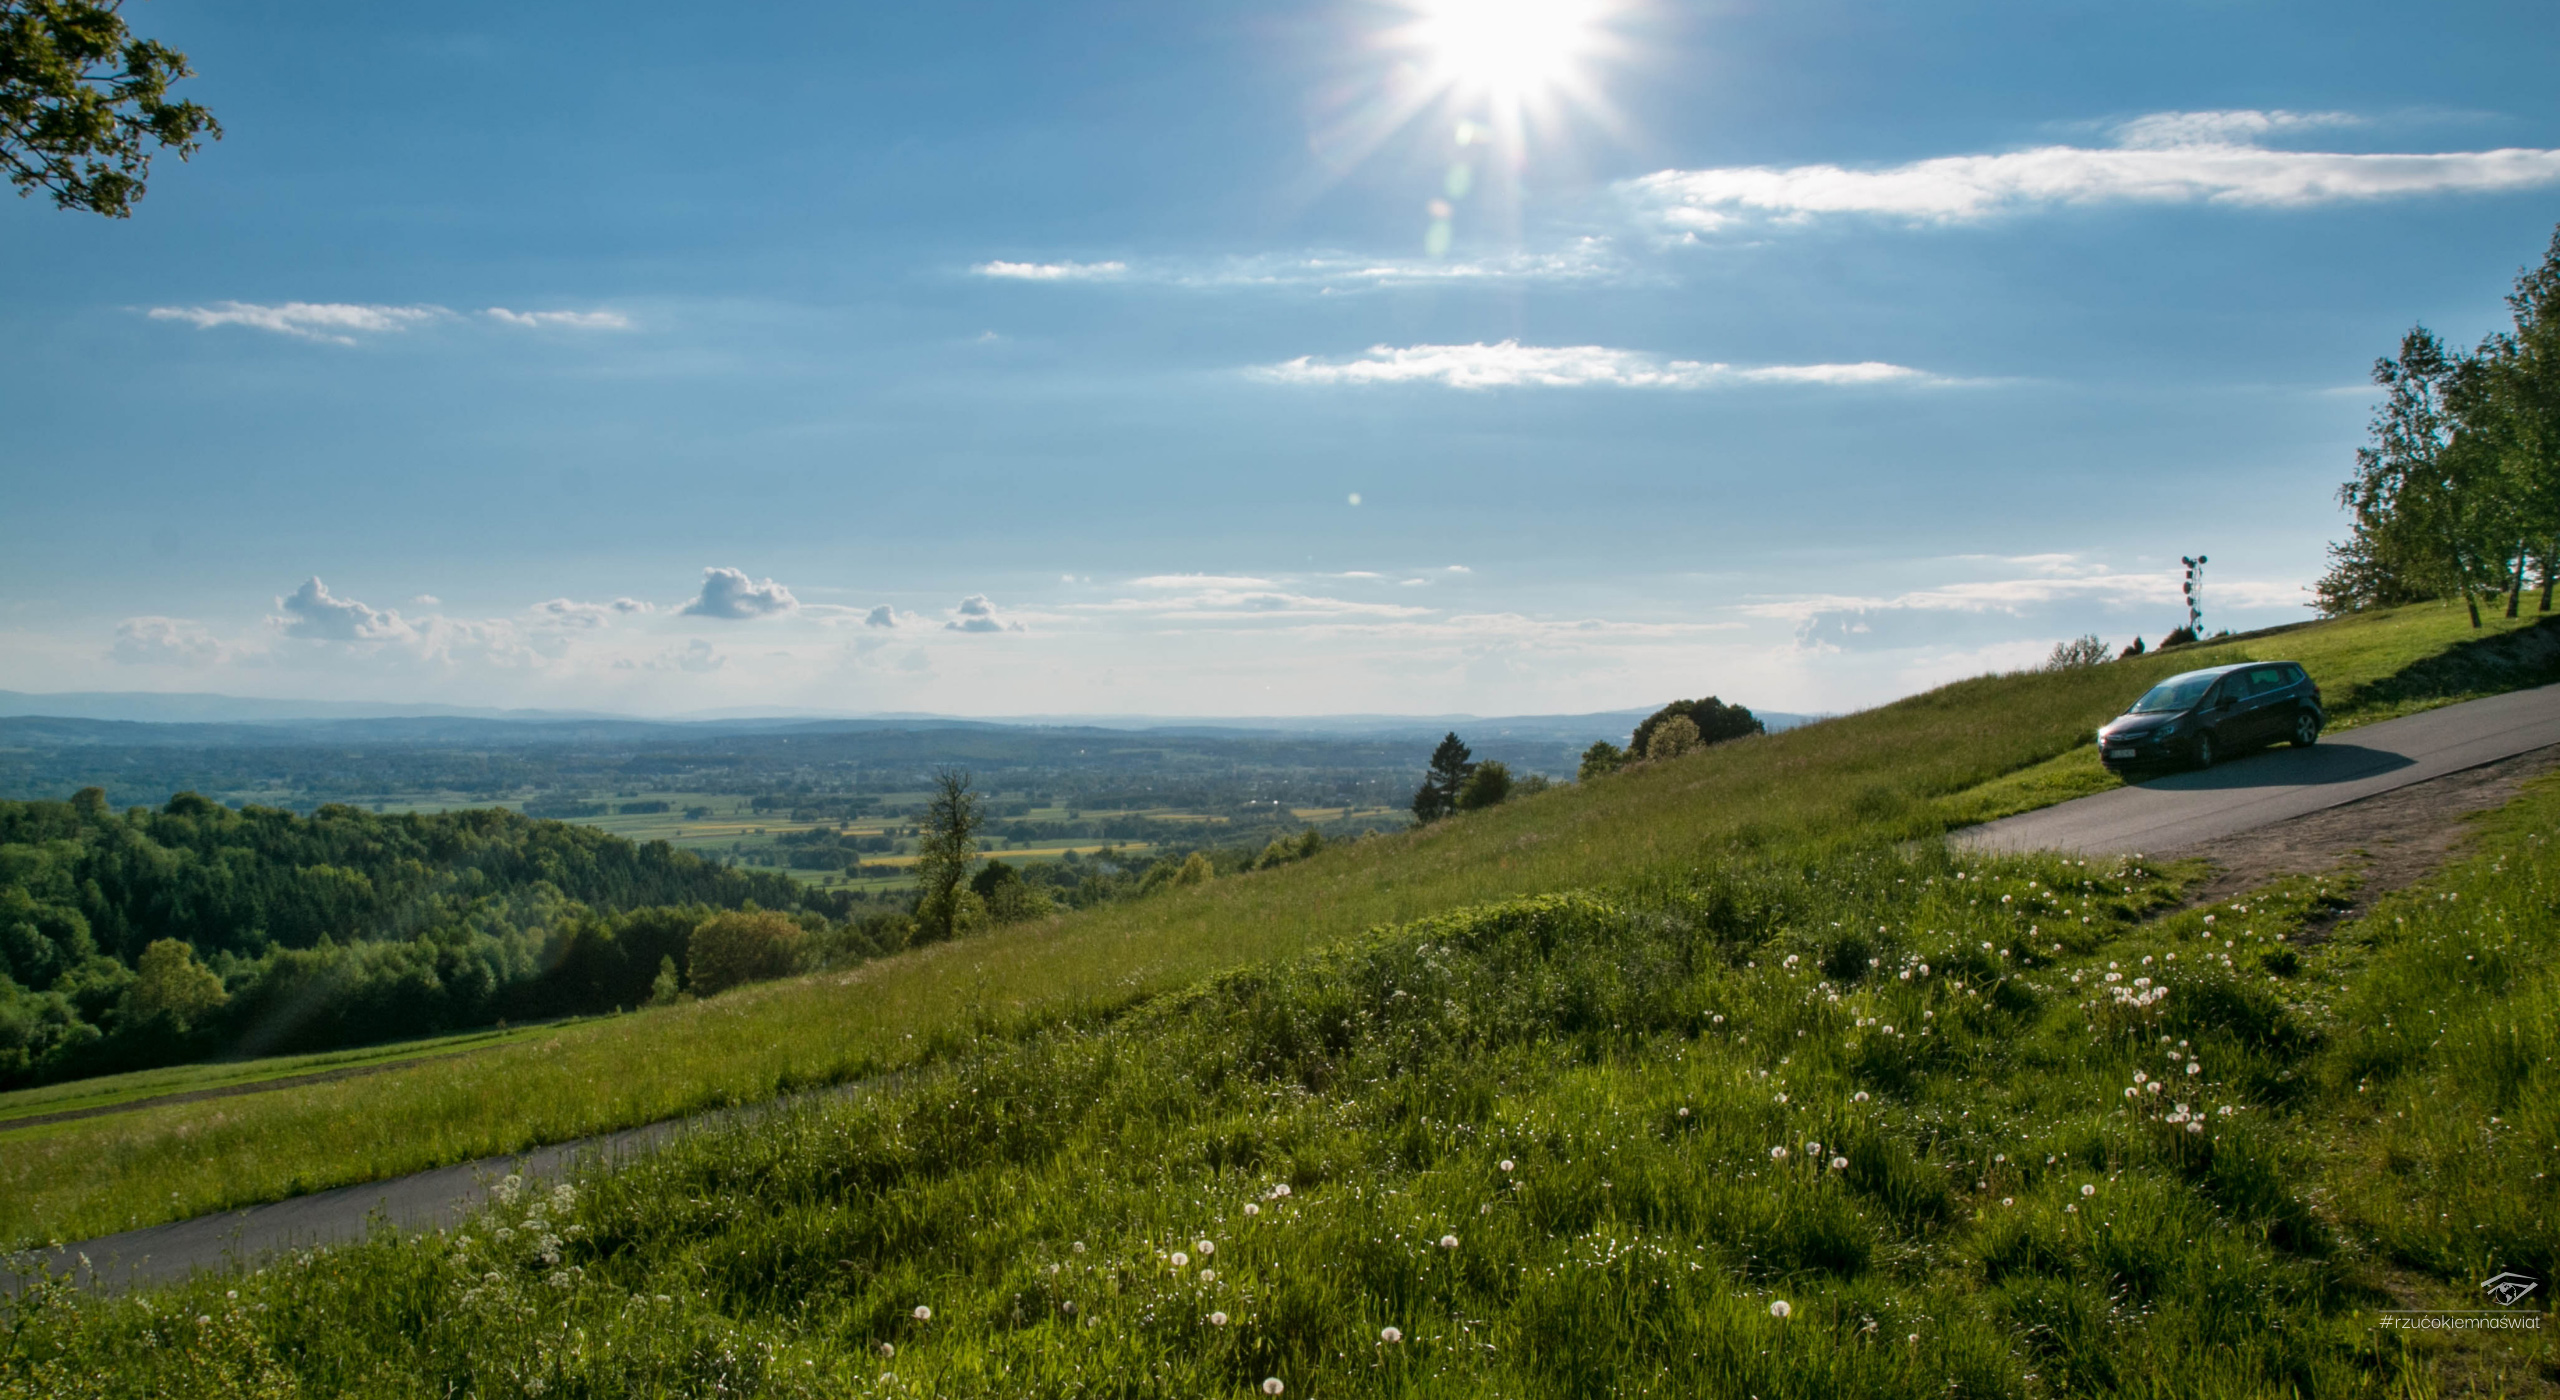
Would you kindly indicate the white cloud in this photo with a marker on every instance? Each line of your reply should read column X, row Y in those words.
column 1214, row 598
column 2059, row 594
column 165, row 641
column 1199, row 581
column 1585, row 260
column 568, row 612
column 1051, row 272
column 564, row 320
column 881, row 616
column 1510, row 364
column 730, row 594
column 976, row 614
column 336, row 322
column 2164, row 158
column 313, row 613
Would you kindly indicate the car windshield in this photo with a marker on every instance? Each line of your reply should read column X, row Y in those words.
column 2175, row 693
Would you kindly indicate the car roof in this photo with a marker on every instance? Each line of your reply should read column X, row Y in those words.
column 2217, row 671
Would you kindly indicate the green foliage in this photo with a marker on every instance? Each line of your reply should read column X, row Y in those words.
column 2079, row 651
column 733, row 948
column 171, row 988
column 1451, row 762
column 1008, row 897
column 1672, row 738
column 1714, row 721
column 1600, row 760
column 668, row 984
column 304, row 933
column 83, row 103
column 1284, row 850
column 2459, row 486
column 1488, row 785
column 945, row 850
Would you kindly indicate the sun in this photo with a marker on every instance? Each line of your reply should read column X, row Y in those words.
column 1508, row 50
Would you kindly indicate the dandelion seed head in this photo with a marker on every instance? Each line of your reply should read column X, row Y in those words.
column 1271, row 1385
column 1780, row 1309
column 2088, row 1188
column 1448, row 1242
column 1217, row 1319
column 923, row 1313
column 1390, row 1335
column 1505, row 1164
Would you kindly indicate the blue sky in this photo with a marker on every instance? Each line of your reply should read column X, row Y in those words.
column 1156, row 358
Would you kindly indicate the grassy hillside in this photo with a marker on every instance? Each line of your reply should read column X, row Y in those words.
column 1817, row 1112
column 1806, row 795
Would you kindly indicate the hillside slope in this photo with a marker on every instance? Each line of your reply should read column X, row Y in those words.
column 1888, row 774
column 1789, row 1106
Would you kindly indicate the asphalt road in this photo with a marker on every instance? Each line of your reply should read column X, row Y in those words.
column 2181, row 810
column 238, row 1238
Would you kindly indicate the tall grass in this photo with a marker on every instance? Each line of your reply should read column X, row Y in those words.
column 1883, row 774
column 1572, row 1144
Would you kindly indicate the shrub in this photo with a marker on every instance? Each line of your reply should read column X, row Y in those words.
column 2076, row 653
column 1672, row 738
column 748, row 945
column 1487, row 786
column 1599, row 761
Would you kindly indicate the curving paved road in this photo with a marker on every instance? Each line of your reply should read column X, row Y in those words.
column 2188, row 809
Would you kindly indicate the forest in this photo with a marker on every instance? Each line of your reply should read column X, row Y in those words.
column 156, row 935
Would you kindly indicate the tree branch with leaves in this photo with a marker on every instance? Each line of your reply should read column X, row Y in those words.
column 84, row 104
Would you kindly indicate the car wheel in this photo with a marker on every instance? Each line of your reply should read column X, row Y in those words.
column 2306, row 729
column 2204, row 751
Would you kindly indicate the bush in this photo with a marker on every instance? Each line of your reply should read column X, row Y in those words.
column 747, row 945
column 2076, row 653
column 1599, row 761
column 1672, row 738
column 1487, row 786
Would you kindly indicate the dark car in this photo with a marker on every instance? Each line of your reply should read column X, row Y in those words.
column 2201, row 716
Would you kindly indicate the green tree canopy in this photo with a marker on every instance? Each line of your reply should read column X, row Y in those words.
column 946, row 847
column 739, row 946
column 1487, row 786
column 1438, row 795
column 84, row 104
column 1716, row 722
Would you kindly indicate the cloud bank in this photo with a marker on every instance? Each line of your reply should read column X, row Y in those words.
column 1510, row 364
column 2163, row 158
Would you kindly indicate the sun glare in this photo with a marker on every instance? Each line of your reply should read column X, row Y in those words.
column 1506, row 48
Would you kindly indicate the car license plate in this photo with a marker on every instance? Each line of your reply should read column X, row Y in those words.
column 2120, row 754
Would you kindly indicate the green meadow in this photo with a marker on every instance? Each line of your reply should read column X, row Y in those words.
column 1712, row 1077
